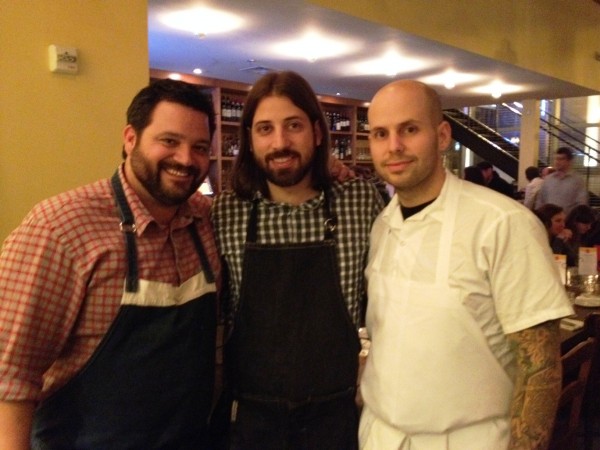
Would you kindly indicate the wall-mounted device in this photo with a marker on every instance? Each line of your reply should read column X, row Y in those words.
column 63, row 59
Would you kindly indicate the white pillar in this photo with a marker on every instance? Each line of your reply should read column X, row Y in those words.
column 529, row 145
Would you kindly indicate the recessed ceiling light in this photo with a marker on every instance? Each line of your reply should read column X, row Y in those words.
column 197, row 71
column 390, row 63
column 313, row 45
column 497, row 89
column 451, row 78
column 203, row 21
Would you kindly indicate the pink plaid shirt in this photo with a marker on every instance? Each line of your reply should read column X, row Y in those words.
column 62, row 278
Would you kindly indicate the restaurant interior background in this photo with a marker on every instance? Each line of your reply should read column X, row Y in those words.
column 59, row 130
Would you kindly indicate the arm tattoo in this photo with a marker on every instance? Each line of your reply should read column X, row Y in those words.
column 537, row 385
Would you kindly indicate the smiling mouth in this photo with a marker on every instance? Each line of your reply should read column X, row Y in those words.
column 282, row 158
column 397, row 165
column 179, row 171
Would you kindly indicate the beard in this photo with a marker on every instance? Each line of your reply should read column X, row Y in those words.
column 149, row 175
column 285, row 177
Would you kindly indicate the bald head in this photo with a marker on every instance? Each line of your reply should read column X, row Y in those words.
column 407, row 139
column 419, row 91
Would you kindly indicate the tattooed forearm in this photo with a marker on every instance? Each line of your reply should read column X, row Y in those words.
column 537, row 386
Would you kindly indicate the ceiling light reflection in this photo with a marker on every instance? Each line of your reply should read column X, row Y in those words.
column 391, row 64
column 451, row 78
column 497, row 89
column 202, row 21
column 314, row 45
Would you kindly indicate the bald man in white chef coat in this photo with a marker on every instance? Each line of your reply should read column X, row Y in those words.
column 464, row 299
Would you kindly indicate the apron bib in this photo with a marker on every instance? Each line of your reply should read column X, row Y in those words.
column 149, row 384
column 293, row 340
column 430, row 369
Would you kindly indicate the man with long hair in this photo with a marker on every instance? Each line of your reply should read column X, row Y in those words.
column 295, row 244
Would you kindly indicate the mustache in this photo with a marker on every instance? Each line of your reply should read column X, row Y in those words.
column 283, row 153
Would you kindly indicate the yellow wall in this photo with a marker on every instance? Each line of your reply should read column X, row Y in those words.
column 557, row 38
column 59, row 131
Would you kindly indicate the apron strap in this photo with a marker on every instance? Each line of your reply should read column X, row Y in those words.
column 331, row 220
column 330, row 223
column 252, row 222
column 208, row 272
column 128, row 228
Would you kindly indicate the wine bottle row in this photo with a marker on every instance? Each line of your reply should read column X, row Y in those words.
column 362, row 123
column 337, row 121
column 231, row 109
column 342, row 148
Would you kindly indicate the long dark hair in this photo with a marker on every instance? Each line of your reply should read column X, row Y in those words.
column 247, row 178
column 546, row 212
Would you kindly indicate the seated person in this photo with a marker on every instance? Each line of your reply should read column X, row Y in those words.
column 580, row 221
column 553, row 217
column 474, row 175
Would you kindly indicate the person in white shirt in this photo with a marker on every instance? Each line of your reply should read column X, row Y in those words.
column 465, row 337
column 533, row 187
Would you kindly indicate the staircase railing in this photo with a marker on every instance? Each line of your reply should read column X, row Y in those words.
column 579, row 142
column 574, row 138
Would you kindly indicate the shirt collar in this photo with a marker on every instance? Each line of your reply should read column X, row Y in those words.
column 393, row 217
column 195, row 208
column 313, row 203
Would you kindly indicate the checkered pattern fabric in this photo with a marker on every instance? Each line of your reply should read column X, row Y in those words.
column 356, row 204
column 62, row 277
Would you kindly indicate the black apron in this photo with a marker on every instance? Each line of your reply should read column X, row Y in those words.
column 293, row 341
column 149, row 384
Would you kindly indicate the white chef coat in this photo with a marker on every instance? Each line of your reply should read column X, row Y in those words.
column 445, row 286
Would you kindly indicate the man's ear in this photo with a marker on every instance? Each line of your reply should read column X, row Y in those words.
column 129, row 139
column 318, row 133
column 444, row 135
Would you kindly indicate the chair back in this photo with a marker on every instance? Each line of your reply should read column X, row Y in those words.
column 576, row 365
column 591, row 400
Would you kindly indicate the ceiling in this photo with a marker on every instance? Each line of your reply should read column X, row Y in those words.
column 249, row 51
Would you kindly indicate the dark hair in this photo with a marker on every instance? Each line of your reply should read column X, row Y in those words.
column 565, row 151
column 484, row 165
column 474, row 175
column 246, row 176
column 547, row 212
column 532, row 172
column 581, row 214
column 139, row 113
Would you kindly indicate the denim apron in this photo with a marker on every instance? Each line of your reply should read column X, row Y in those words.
column 293, row 350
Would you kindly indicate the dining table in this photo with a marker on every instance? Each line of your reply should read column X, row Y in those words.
column 570, row 336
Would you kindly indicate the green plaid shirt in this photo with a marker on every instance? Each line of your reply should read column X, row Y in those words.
column 356, row 203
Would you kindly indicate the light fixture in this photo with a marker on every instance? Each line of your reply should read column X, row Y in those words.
column 391, row 63
column 497, row 89
column 197, row 70
column 314, row 45
column 175, row 76
column 203, row 21
column 450, row 78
